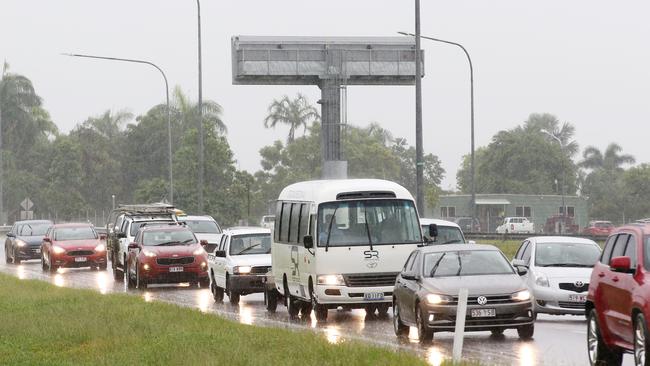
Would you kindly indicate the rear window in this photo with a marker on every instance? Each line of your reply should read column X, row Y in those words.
column 203, row 226
column 135, row 226
column 446, row 235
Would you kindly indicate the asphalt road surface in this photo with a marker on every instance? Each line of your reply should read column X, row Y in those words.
column 558, row 340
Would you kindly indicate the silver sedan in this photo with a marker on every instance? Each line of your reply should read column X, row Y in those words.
column 559, row 269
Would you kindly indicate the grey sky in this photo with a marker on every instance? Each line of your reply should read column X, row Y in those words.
column 585, row 61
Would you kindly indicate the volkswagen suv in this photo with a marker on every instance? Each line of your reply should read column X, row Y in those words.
column 618, row 301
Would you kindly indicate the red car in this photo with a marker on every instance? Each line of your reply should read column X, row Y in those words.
column 599, row 228
column 72, row 246
column 166, row 254
column 618, row 301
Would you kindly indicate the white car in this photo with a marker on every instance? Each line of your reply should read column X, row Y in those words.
column 559, row 269
column 239, row 264
column 268, row 221
column 448, row 232
column 518, row 225
column 205, row 228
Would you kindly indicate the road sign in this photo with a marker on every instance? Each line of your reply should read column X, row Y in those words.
column 26, row 215
column 27, row 204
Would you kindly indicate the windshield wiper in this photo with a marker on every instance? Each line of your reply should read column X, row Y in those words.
column 329, row 229
column 168, row 243
column 435, row 266
column 246, row 249
column 460, row 265
column 453, row 241
column 365, row 218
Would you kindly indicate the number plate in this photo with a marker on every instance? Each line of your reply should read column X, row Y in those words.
column 80, row 259
column 578, row 298
column 483, row 313
column 175, row 269
column 373, row 296
column 37, row 250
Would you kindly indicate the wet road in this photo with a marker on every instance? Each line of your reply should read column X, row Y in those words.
column 558, row 340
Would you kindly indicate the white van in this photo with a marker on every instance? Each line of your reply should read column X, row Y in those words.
column 340, row 243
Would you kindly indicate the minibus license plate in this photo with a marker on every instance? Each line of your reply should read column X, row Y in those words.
column 578, row 298
column 373, row 296
column 483, row 313
column 80, row 259
column 175, row 269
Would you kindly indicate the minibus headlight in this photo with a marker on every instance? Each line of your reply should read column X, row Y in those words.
column 242, row 270
column 331, row 280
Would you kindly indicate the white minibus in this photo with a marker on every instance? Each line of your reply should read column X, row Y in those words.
column 340, row 243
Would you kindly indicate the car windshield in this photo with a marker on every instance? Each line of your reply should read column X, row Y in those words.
column 75, row 233
column 250, row 244
column 34, row 229
column 168, row 237
column 446, row 235
column 203, row 226
column 466, row 263
column 135, row 226
column 566, row 254
column 368, row 222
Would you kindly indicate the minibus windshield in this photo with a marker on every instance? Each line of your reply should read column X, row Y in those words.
column 368, row 222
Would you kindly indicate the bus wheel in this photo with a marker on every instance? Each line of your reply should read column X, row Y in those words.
column 292, row 304
column 271, row 300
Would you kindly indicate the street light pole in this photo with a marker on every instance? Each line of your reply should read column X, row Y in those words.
column 201, row 147
column 471, row 82
column 563, row 191
column 419, row 155
column 169, row 118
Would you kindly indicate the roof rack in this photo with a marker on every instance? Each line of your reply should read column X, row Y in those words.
column 150, row 208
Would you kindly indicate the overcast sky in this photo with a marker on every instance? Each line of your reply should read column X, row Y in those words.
column 587, row 62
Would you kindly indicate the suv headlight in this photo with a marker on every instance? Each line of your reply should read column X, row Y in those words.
column 542, row 280
column 521, row 295
column 20, row 243
column 149, row 253
column 100, row 248
column 435, row 299
column 58, row 250
column 242, row 270
column 200, row 251
column 331, row 280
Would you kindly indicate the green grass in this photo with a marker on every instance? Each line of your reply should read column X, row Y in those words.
column 508, row 247
column 41, row 324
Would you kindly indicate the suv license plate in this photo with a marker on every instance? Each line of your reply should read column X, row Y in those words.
column 175, row 269
column 483, row 313
column 80, row 259
column 373, row 296
column 578, row 298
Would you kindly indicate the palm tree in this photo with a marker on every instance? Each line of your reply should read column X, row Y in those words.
column 109, row 123
column 610, row 161
column 295, row 113
column 189, row 112
column 564, row 132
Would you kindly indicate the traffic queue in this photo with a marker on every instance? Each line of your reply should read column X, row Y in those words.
column 360, row 243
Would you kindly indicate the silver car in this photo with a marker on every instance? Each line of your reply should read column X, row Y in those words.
column 559, row 269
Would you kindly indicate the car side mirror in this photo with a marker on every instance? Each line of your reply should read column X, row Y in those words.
column 521, row 270
column 121, row 235
column 47, row 240
column 204, row 243
column 220, row 253
column 518, row 263
column 11, row 235
column 620, row 264
column 133, row 246
column 433, row 230
column 308, row 241
column 102, row 236
column 408, row 276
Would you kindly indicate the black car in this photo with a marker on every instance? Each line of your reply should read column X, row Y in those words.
column 24, row 240
column 427, row 292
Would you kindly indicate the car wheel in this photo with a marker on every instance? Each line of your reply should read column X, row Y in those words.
column 103, row 266
column 292, row 307
column 51, row 266
column 271, row 300
column 7, row 259
column 305, row 309
column 640, row 341
column 526, row 332
column 320, row 311
column 141, row 283
column 15, row 257
column 204, row 282
column 424, row 333
column 497, row 331
column 400, row 329
column 382, row 310
column 599, row 353
column 43, row 266
column 234, row 297
column 217, row 292
column 370, row 310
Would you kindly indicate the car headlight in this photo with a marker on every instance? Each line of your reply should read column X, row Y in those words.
column 100, row 248
column 435, row 299
column 242, row 270
column 58, row 250
column 542, row 280
column 148, row 253
column 331, row 280
column 200, row 251
column 521, row 296
column 20, row 243
column 204, row 265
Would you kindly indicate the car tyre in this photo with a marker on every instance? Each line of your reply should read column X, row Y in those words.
column 140, row 282
column 234, row 297
column 400, row 328
column 526, row 332
column 497, row 331
column 640, row 341
column 382, row 310
column 204, row 282
column 271, row 300
column 320, row 311
column 43, row 266
column 217, row 292
column 51, row 266
column 130, row 283
column 16, row 260
column 7, row 259
column 424, row 333
column 292, row 306
column 117, row 274
column 599, row 353
column 103, row 266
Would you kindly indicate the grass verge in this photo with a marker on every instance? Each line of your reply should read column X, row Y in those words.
column 46, row 325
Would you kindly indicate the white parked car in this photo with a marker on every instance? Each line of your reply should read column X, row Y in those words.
column 516, row 225
column 268, row 221
column 204, row 228
column 559, row 269
column 448, row 232
column 238, row 266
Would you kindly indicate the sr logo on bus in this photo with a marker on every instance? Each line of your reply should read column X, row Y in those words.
column 371, row 254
